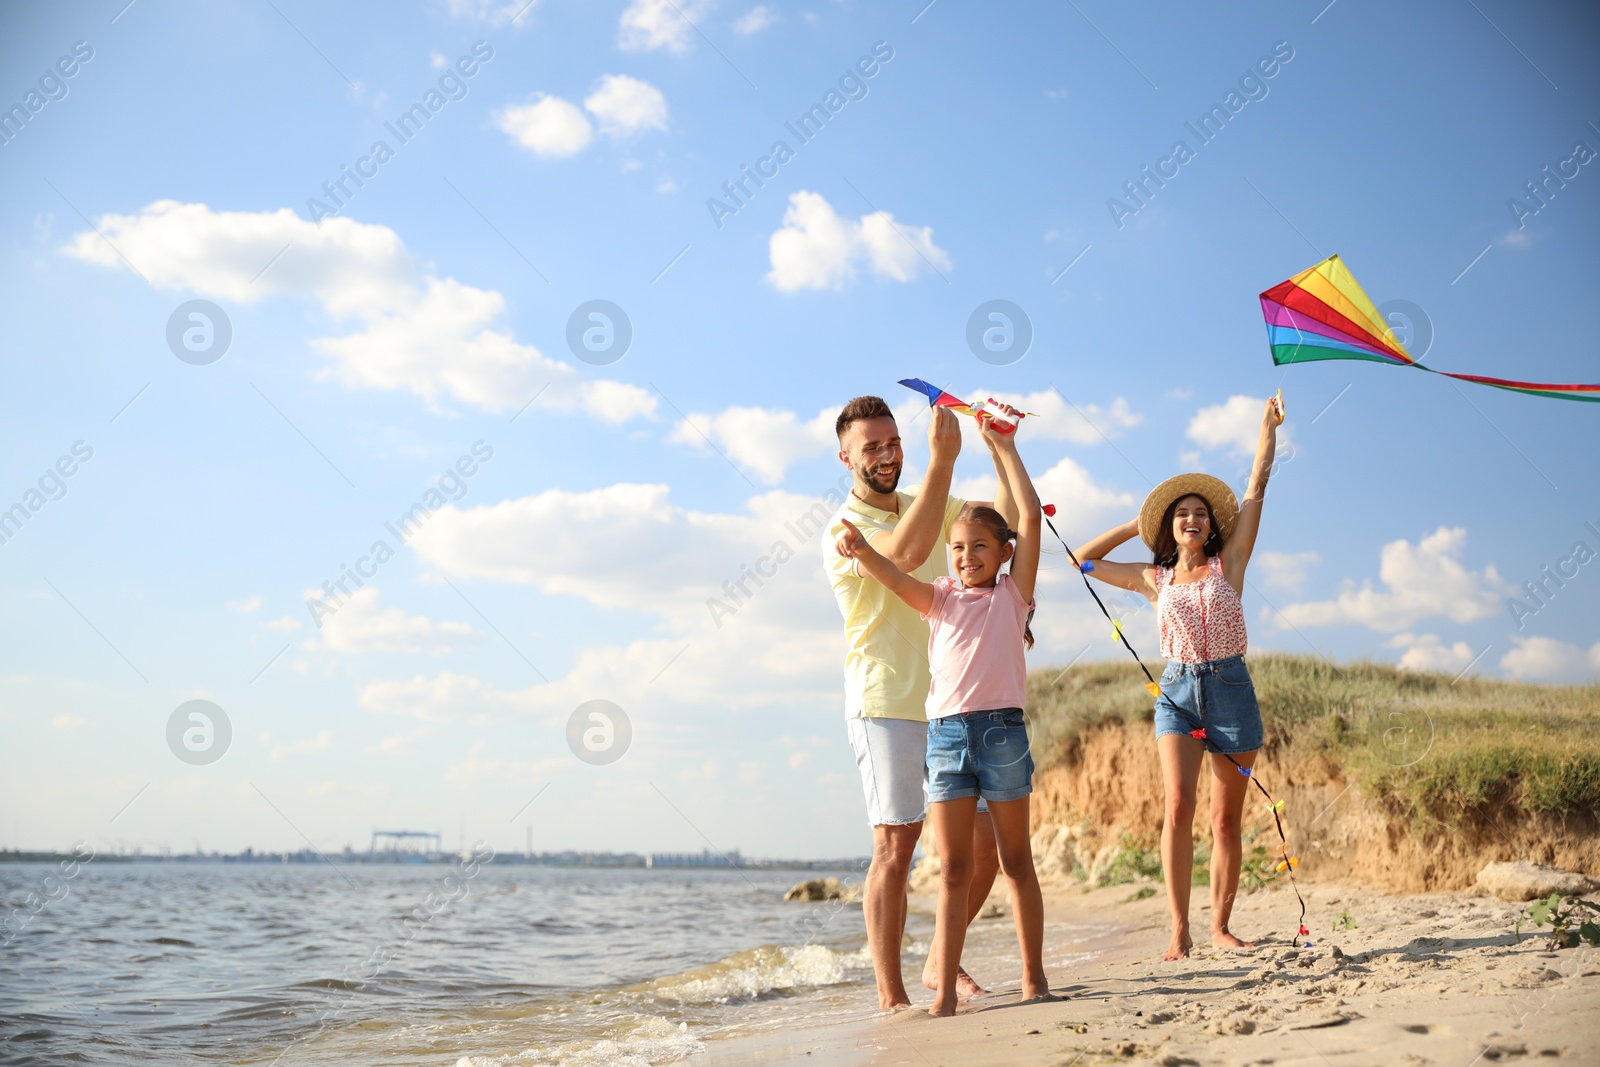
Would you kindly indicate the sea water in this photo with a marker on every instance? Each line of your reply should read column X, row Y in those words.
column 317, row 964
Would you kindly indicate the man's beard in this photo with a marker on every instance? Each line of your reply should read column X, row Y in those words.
column 878, row 483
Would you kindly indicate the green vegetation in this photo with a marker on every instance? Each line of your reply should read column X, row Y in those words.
column 1136, row 860
column 1419, row 742
column 1345, row 921
column 1571, row 920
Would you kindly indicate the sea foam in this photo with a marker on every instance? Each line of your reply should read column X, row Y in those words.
column 650, row 1041
column 754, row 973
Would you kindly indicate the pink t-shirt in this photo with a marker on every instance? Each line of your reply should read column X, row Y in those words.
column 975, row 647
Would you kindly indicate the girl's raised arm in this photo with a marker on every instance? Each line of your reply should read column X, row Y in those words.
column 852, row 545
column 1236, row 553
column 1025, row 560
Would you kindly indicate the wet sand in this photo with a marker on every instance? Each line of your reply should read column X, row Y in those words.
column 1418, row 979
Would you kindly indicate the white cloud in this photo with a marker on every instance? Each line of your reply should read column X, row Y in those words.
column 1084, row 507
column 445, row 697
column 775, row 637
column 68, row 721
column 1286, row 570
column 816, row 249
column 1234, row 425
column 475, row 769
column 899, row 252
column 755, row 20
column 361, row 626
column 653, row 25
column 1081, row 423
column 1544, row 659
column 764, row 442
column 549, row 126
column 246, row 606
column 1428, row 653
column 434, row 337
column 399, row 744
column 285, row 624
column 1421, row 581
column 321, row 743
column 626, row 106
column 494, row 12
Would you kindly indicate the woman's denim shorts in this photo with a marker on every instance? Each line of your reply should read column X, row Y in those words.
column 979, row 754
column 1217, row 696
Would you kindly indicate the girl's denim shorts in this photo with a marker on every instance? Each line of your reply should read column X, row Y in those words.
column 1218, row 696
column 979, row 754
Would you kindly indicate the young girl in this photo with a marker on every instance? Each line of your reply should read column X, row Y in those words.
column 1200, row 543
column 977, row 738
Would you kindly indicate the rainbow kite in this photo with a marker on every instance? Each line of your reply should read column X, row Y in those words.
column 938, row 398
column 1322, row 313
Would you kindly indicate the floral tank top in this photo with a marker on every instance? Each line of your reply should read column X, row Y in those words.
column 1200, row 621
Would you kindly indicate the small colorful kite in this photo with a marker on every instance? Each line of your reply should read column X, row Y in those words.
column 938, row 398
column 1322, row 313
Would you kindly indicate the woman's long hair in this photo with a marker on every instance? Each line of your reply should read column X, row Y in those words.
column 1165, row 551
column 987, row 516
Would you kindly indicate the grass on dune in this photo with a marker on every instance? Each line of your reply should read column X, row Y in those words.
column 1431, row 746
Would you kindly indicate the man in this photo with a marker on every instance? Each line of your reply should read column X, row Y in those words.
column 886, row 663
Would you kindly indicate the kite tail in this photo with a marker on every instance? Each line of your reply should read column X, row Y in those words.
column 1153, row 685
column 1289, row 862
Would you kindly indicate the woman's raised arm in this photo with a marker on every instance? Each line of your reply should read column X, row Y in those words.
column 1236, row 553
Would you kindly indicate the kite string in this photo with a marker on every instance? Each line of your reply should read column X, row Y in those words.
column 1288, row 863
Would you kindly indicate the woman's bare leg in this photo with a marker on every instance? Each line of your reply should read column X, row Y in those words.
column 1180, row 776
column 1228, row 791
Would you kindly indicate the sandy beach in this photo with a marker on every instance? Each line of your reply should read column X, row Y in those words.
column 1436, row 978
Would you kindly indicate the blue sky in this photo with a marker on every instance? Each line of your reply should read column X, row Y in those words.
column 375, row 348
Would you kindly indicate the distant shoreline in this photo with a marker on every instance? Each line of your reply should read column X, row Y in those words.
column 607, row 861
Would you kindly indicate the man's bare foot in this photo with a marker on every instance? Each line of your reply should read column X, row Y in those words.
column 943, row 1006
column 1179, row 946
column 966, row 985
column 1223, row 939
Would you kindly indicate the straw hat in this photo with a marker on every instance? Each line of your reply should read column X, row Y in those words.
column 1224, row 506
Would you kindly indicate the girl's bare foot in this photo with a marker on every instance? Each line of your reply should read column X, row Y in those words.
column 943, row 1006
column 1223, row 939
column 966, row 985
column 1178, row 948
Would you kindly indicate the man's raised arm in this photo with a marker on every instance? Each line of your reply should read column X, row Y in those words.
column 913, row 538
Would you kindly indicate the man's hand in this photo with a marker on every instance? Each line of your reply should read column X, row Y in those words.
column 850, row 541
column 944, row 436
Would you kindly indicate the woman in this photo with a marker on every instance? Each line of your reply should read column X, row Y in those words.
column 1200, row 542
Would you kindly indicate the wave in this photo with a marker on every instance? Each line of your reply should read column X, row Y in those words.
column 754, row 973
column 647, row 1041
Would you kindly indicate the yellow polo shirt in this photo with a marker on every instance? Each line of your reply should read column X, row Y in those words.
column 886, row 664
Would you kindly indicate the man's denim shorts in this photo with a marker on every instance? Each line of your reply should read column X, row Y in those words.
column 980, row 754
column 1218, row 696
